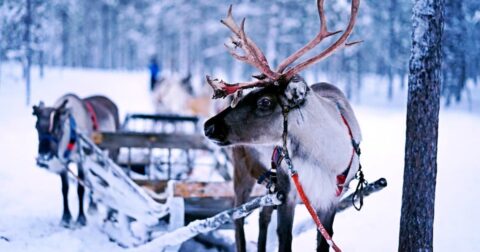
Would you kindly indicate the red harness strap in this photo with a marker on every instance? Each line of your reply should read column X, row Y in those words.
column 341, row 178
column 312, row 212
column 93, row 115
column 340, row 183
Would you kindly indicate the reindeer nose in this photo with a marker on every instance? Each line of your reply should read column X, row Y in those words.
column 215, row 130
column 209, row 130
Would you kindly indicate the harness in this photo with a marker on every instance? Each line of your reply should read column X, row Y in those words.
column 355, row 150
column 93, row 115
column 281, row 153
column 73, row 129
column 71, row 141
column 73, row 138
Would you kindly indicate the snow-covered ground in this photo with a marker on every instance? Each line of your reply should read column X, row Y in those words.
column 30, row 198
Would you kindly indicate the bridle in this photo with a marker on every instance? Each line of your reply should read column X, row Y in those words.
column 50, row 137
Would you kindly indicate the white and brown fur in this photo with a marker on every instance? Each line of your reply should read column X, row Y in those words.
column 319, row 144
column 55, row 120
column 175, row 95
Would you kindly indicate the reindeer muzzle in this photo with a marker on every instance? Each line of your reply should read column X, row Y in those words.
column 42, row 161
column 217, row 131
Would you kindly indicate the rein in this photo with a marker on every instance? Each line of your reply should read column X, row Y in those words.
column 298, row 185
column 93, row 115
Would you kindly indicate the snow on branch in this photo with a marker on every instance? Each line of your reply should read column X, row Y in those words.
column 194, row 228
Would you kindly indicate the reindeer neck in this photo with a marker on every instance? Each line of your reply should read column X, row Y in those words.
column 79, row 112
column 317, row 135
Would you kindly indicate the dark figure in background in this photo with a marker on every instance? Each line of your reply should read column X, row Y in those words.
column 155, row 70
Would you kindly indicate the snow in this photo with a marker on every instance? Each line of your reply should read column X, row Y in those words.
column 30, row 198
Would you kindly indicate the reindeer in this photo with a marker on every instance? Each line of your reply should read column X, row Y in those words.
column 176, row 95
column 57, row 129
column 316, row 123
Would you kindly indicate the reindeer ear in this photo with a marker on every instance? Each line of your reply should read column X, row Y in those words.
column 36, row 109
column 63, row 107
column 295, row 92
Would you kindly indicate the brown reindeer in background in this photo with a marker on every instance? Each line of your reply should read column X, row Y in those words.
column 323, row 133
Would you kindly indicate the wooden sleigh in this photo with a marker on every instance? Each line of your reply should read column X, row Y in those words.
column 154, row 208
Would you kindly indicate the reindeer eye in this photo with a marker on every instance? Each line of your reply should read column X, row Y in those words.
column 264, row 103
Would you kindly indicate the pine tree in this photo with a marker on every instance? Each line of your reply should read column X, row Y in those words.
column 418, row 200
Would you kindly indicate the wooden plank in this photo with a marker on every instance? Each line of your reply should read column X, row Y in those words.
column 202, row 199
column 156, row 186
column 150, row 140
column 163, row 117
column 203, row 189
column 190, row 189
column 201, row 208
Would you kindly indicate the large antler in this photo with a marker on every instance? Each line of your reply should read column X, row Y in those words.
column 252, row 55
column 255, row 57
column 340, row 43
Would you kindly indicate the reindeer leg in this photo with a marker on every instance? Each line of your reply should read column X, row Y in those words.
column 242, row 184
column 326, row 217
column 92, row 206
column 81, row 220
column 264, row 220
column 67, row 216
column 285, row 214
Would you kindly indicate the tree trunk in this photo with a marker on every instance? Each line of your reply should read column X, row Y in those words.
column 390, row 84
column 453, row 49
column 65, row 37
column 392, row 48
column 403, row 76
column 41, row 63
column 28, row 49
column 359, row 73
column 418, row 200
column 1, row 62
column 105, row 37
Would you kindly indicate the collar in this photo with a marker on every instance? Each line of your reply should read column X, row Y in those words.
column 342, row 177
column 73, row 138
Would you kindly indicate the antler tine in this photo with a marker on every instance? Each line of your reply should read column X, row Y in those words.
column 221, row 89
column 340, row 43
column 322, row 34
column 230, row 22
column 253, row 55
column 321, row 15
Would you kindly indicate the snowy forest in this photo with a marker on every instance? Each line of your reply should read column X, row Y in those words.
column 359, row 118
column 186, row 38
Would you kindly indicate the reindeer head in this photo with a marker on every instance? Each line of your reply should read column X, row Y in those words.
column 257, row 117
column 49, row 125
